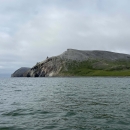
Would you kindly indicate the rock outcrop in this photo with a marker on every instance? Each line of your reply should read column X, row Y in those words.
column 22, row 72
column 50, row 67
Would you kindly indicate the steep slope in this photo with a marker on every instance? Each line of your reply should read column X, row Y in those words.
column 50, row 67
column 82, row 63
column 20, row 72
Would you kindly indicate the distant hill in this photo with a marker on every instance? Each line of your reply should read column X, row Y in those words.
column 83, row 63
column 20, row 72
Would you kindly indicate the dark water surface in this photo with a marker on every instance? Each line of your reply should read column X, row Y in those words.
column 65, row 103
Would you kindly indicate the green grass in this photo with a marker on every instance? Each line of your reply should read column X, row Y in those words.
column 117, row 68
column 110, row 73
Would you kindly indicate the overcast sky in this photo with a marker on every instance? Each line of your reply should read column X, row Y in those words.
column 31, row 30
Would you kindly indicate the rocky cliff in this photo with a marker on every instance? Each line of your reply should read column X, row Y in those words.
column 76, row 62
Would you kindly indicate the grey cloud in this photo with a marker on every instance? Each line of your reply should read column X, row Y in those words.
column 31, row 30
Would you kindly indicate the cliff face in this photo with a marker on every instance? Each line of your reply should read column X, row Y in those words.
column 20, row 72
column 76, row 60
column 50, row 67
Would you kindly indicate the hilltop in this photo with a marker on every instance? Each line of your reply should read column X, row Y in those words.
column 83, row 63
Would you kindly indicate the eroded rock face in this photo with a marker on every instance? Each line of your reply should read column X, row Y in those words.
column 50, row 67
column 20, row 72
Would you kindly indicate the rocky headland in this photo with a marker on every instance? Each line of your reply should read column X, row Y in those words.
column 81, row 63
column 21, row 72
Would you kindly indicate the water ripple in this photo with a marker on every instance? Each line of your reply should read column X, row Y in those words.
column 65, row 104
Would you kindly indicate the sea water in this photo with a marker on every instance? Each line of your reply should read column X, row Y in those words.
column 90, row 103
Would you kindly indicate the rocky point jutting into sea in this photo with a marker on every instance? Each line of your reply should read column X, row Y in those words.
column 80, row 63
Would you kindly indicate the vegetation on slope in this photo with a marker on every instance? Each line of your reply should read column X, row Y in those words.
column 97, row 68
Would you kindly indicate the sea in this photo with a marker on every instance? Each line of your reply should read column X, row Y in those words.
column 71, row 103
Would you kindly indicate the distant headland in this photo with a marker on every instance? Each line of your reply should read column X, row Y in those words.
column 79, row 63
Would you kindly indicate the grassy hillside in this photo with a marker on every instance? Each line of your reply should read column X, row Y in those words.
column 96, row 68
